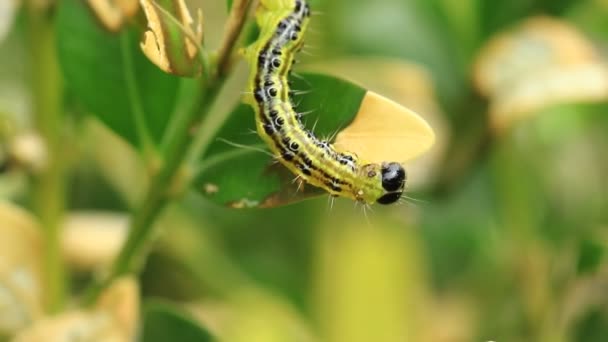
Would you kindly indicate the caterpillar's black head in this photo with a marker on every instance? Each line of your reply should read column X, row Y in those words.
column 393, row 182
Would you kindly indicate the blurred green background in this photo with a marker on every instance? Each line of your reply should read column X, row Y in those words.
column 504, row 240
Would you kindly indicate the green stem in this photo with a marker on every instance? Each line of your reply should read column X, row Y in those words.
column 234, row 27
column 162, row 186
column 143, row 133
column 49, row 185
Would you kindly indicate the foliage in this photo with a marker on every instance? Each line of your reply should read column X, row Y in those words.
column 118, row 166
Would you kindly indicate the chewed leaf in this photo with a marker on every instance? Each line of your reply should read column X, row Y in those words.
column 540, row 63
column 385, row 131
column 113, row 13
column 170, row 42
column 238, row 170
column 408, row 84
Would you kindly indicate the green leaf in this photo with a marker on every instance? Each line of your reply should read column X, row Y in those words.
column 229, row 5
column 110, row 76
column 164, row 322
column 238, row 170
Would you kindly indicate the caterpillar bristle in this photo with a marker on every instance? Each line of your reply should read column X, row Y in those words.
column 315, row 124
column 246, row 147
column 406, row 198
column 301, row 92
column 333, row 135
column 300, row 184
column 308, row 53
column 300, row 77
column 330, row 202
column 301, row 114
column 365, row 206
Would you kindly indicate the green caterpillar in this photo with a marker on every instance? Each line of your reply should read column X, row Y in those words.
column 283, row 24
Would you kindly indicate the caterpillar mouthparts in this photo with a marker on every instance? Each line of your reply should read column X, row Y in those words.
column 393, row 181
column 317, row 162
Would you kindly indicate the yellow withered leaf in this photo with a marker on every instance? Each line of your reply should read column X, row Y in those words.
column 410, row 85
column 114, row 13
column 542, row 62
column 170, row 41
column 385, row 131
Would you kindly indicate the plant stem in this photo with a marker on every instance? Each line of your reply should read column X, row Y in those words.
column 234, row 27
column 163, row 183
column 49, row 185
column 143, row 133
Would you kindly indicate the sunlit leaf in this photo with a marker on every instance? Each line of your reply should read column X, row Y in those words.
column 170, row 41
column 163, row 322
column 113, row 14
column 540, row 63
column 111, row 77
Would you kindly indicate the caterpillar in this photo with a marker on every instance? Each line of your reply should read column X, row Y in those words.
column 315, row 161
